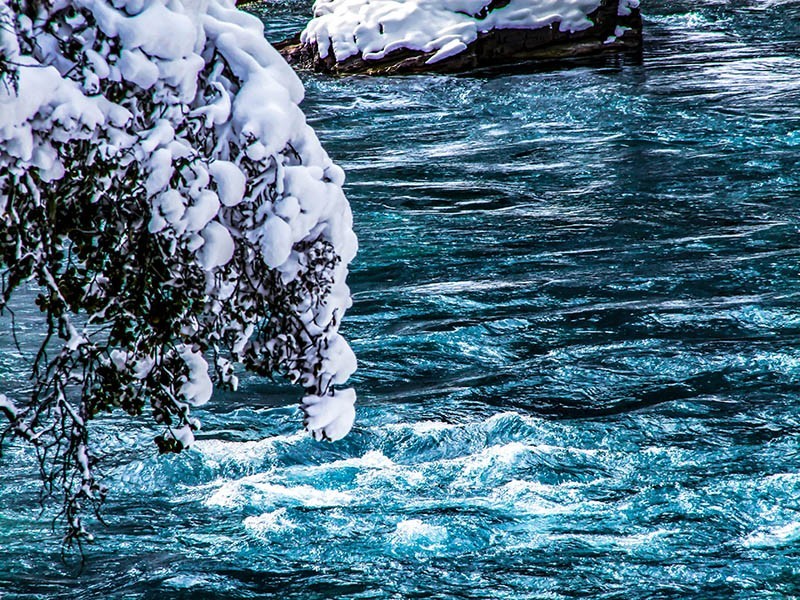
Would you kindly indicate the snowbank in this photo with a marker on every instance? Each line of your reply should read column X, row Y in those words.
column 188, row 100
column 374, row 28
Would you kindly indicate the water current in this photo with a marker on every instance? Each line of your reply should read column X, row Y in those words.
column 577, row 316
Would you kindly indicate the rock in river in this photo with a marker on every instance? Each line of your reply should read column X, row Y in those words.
column 389, row 37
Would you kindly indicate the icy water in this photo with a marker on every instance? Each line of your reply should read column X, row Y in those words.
column 577, row 313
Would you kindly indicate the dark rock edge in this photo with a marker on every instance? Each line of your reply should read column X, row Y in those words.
column 492, row 49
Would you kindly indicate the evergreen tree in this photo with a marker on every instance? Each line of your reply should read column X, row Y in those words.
column 162, row 194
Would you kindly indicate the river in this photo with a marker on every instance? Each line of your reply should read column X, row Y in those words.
column 577, row 318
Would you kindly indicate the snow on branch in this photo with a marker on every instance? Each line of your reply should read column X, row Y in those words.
column 161, row 189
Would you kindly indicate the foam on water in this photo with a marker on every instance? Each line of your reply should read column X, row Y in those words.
column 416, row 534
column 257, row 490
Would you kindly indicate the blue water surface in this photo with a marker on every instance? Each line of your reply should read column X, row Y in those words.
column 577, row 315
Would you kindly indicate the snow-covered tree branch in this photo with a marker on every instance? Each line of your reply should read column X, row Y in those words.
column 162, row 193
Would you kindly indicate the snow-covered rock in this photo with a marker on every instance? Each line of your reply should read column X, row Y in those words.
column 400, row 36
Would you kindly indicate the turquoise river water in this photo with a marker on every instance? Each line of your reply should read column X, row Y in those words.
column 577, row 316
